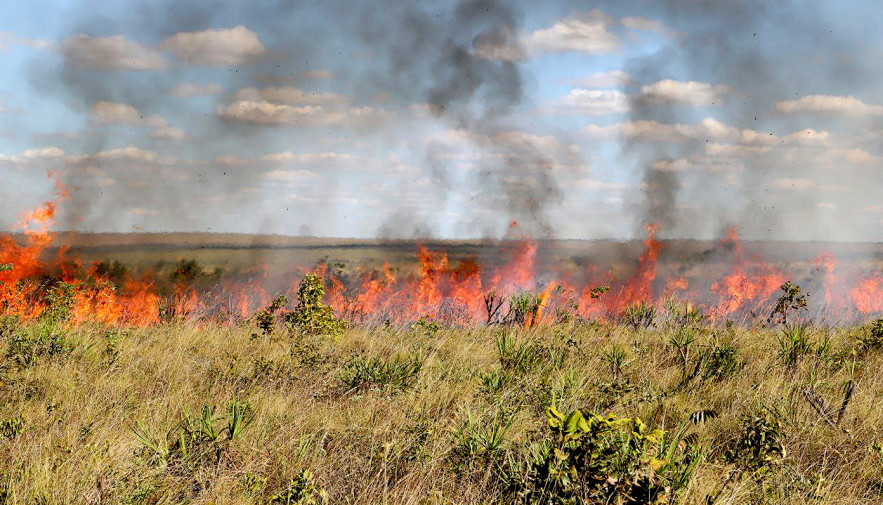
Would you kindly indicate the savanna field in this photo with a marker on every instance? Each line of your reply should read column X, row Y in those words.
column 448, row 385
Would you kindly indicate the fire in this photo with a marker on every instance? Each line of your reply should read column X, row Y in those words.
column 462, row 291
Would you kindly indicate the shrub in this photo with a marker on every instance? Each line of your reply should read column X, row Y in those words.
column 311, row 316
column 722, row 362
column 790, row 302
column 44, row 339
column 524, row 309
column 793, row 344
column 302, row 490
column 640, row 315
column 872, row 338
column 396, row 373
column 594, row 459
column 266, row 319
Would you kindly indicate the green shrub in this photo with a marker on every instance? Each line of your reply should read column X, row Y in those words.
column 311, row 316
column 301, row 490
column 594, row 459
column 11, row 428
column 640, row 315
column 872, row 338
column 394, row 374
column 43, row 340
column 793, row 344
column 266, row 319
column 722, row 362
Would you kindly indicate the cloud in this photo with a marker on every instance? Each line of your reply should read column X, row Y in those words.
column 289, row 176
column 113, row 113
column 587, row 34
column 109, row 53
column 268, row 113
column 853, row 155
column 608, row 79
column 647, row 25
column 290, row 157
column 7, row 40
column 317, row 74
column 188, row 90
column 33, row 155
column 595, row 102
column 829, row 104
column 691, row 93
column 787, row 183
column 129, row 153
column 289, row 95
column 216, row 48
column 168, row 133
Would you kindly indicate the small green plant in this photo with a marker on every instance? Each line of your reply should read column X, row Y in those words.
column 616, row 358
column 681, row 341
column 311, row 316
column 266, row 319
column 302, row 490
column 394, row 374
column 198, row 440
column 493, row 382
column 43, row 340
column 793, row 344
column 791, row 302
column 595, row 459
column 9, row 325
column 12, row 427
column 524, row 309
column 759, row 446
column 426, row 326
column 872, row 338
column 518, row 357
column 722, row 363
column 59, row 302
column 482, row 437
column 640, row 315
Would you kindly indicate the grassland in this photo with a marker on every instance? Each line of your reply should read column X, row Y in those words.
column 427, row 414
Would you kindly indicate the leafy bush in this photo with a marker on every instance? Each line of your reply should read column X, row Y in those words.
column 722, row 362
column 594, row 459
column 301, row 490
column 872, row 339
column 793, row 344
column 640, row 315
column 266, row 319
column 524, row 309
column 44, row 339
column 311, row 316
column 197, row 441
column 791, row 302
column 396, row 373
column 11, row 428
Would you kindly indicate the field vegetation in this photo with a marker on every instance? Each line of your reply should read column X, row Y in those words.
column 294, row 405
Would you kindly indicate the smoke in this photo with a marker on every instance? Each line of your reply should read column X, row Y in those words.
column 750, row 54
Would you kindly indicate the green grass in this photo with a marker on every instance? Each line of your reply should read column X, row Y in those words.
column 201, row 413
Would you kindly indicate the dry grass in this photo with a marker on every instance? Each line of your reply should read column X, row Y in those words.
column 383, row 443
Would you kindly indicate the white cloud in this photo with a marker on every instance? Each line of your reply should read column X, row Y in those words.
column 263, row 112
column 595, row 101
column 289, row 175
column 647, row 25
column 129, row 152
column 216, row 48
column 829, row 104
column 588, row 34
column 33, row 155
column 852, row 155
column 290, row 157
column 317, row 74
column 187, row 89
column 679, row 165
column 289, row 95
column 168, row 133
column 733, row 150
column 787, row 183
column 109, row 53
column 690, row 93
column 113, row 113
column 608, row 79
column 7, row 40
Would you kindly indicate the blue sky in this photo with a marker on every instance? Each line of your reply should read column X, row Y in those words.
column 446, row 118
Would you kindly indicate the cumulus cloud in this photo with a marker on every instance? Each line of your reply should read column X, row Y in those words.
column 290, row 157
column 268, row 113
column 595, row 101
column 7, row 40
column 113, row 113
column 829, row 104
column 647, row 25
column 188, row 90
column 607, row 79
column 691, row 93
column 589, row 34
column 788, row 183
column 288, row 176
column 289, row 95
column 168, row 133
column 317, row 74
column 216, row 48
column 109, row 53
column 33, row 155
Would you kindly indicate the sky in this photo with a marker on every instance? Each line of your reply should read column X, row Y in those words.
column 446, row 118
